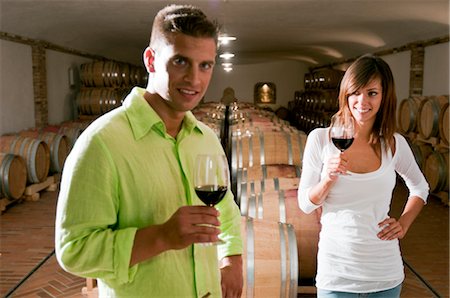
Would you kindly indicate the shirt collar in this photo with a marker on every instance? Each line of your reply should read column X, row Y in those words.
column 143, row 118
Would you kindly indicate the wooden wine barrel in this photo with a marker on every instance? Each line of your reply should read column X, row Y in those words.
column 421, row 151
column 282, row 206
column 58, row 144
column 36, row 154
column 254, row 187
column 86, row 75
column 407, row 114
column 429, row 111
column 436, row 171
column 444, row 125
column 13, row 176
column 266, row 148
column 270, row 264
column 308, row 80
column 106, row 74
column 72, row 130
column 97, row 101
column 329, row 78
column 124, row 75
column 261, row 172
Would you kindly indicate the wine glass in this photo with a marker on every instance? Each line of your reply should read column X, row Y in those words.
column 342, row 132
column 211, row 178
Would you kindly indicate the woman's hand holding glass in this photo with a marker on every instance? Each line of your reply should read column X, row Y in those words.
column 342, row 133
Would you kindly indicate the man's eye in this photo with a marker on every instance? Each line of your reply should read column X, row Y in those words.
column 179, row 61
column 206, row 66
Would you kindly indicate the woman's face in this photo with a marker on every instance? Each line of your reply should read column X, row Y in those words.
column 365, row 102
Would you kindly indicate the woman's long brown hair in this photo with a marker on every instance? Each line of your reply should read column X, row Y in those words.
column 359, row 74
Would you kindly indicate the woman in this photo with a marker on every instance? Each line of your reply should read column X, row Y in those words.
column 359, row 243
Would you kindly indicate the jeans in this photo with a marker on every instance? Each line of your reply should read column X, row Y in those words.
column 391, row 293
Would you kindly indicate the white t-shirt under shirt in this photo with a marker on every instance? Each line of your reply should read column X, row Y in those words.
column 351, row 258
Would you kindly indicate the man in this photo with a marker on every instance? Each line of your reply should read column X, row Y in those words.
column 127, row 211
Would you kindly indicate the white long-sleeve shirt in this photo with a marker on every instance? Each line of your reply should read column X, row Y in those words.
column 351, row 257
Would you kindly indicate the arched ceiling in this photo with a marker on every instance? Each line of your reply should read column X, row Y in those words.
column 316, row 32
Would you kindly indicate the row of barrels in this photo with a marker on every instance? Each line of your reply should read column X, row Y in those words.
column 427, row 116
column 316, row 100
column 266, row 156
column 280, row 242
column 98, row 101
column 326, row 78
column 109, row 73
column 30, row 156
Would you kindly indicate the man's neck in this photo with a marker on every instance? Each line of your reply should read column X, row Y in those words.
column 171, row 118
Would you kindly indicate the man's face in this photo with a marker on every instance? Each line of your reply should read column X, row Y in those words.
column 183, row 69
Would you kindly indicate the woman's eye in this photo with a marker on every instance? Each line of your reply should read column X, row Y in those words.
column 373, row 93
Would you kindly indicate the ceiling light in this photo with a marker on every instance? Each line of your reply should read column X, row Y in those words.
column 227, row 55
column 227, row 64
column 225, row 39
column 228, row 69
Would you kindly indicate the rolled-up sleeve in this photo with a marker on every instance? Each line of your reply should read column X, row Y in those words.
column 85, row 242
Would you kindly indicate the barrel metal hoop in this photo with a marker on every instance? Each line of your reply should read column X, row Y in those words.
column 282, row 206
column 250, row 151
column 289, row 144
column 276, row 183
column 33, row 149
column 4, row 184
column 262, row 159
column 250, row 258
column 298, row 171
column 283, row 261
column 293, row 260
column 233, row 155
column 240, row 164
column 264, row 171
column 301, row 149
column 243, row 197
column 260, row 206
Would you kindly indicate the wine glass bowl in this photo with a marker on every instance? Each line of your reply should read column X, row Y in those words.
column 211, row 178
column 342, row 132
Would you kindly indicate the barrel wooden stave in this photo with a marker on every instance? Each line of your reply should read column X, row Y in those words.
column 13, row 176
column 270, row 252
column 268, row 148
column 282, row 206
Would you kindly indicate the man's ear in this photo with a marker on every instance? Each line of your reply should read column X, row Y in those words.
column 149, row 58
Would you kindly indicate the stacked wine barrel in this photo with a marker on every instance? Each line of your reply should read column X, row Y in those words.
column 314, row 106
column 280, row 240
column 424, row 121
column 31, row 156
column 105, row 85
column 213, row 115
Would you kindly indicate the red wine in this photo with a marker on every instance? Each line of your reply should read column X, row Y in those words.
column 210, row 194
column 342, row 144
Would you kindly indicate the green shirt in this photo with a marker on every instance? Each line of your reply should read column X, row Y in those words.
column 125, row 172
